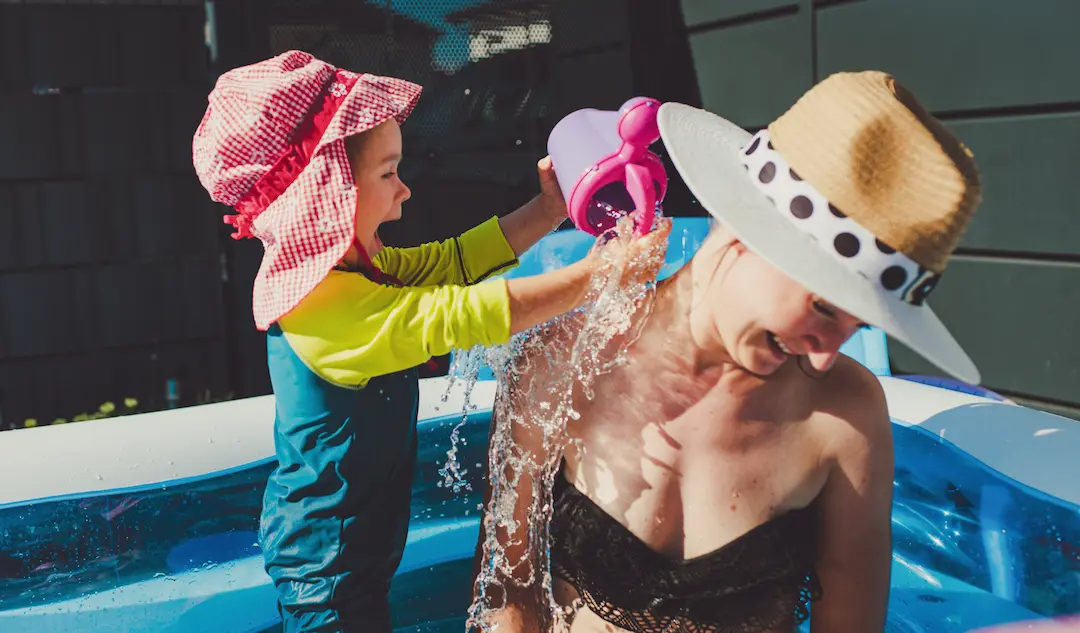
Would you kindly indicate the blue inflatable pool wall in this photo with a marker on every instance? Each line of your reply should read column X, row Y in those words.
column 972, row 546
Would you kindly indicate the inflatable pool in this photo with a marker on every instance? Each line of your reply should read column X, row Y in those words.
column 148, row 522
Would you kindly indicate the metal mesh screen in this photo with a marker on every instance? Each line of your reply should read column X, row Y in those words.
column 472, row 143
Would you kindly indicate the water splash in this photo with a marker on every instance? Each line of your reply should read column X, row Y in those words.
column 614, row 309
column 452, row 473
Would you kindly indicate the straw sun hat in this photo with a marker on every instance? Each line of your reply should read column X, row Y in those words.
column 856, row 192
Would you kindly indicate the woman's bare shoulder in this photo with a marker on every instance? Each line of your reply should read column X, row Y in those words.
column 853, row 407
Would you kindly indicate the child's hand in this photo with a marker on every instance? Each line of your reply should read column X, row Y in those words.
column 639, row 259
column 550, row 192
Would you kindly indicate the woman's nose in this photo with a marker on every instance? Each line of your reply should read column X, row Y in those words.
column 406, row 193
column 823, row 361
column 823, row 345
column 825, row 341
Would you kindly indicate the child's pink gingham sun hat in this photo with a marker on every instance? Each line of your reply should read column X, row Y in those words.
column 272, row 146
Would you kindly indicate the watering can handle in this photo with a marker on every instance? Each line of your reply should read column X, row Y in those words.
column 639, row 184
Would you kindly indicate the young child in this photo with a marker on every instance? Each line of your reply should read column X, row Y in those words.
column 307, row 155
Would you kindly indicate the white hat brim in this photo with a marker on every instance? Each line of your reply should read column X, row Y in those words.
column 705, row 150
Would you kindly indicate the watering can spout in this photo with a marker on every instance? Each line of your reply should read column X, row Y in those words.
column 639, row 185
column 604, row 166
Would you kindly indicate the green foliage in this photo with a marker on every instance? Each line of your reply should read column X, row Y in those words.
column 128, row 406
column 106, row 410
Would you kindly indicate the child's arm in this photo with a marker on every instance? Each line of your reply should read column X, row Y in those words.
column 470, row 258
column 351, row 329
column 488, row 249
column 539, row 216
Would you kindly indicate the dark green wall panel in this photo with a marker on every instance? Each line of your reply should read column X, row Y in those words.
column 1017, row 320
column 191, row 300
column 959, row 54
column 752, row 73
column 40, row 313
column 127, row 304
column 1031, row 178
column 1013, row 307
column 697, row 12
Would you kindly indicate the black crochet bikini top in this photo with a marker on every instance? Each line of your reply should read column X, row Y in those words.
column 762, row 581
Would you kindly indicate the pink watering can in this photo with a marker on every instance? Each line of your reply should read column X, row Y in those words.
column 604, row 166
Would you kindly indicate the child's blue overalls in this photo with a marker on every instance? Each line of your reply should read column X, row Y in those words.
column 336, row 511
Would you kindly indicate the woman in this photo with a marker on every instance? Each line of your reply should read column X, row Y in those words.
column 737, row 467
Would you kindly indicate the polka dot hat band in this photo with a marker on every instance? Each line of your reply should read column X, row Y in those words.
column 841, row 236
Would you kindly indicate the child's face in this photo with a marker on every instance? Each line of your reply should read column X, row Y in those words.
column 374, row 156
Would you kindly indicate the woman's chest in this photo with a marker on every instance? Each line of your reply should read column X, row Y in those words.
column 685, row 418
column 689, row 469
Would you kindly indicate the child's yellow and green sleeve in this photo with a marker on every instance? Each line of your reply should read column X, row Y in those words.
column 465, row 260
column 350, row 329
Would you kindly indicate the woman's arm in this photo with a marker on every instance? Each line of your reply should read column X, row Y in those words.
column 525, row 607
column 855, row 526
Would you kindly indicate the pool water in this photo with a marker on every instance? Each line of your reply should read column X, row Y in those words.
column 971, row 548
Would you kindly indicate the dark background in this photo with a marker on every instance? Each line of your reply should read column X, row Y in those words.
column 117, row 275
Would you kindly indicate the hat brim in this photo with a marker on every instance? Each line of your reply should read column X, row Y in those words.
column 372, row 101
column 705, row 150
